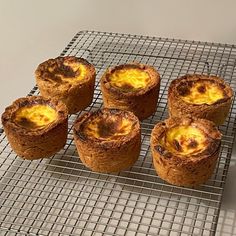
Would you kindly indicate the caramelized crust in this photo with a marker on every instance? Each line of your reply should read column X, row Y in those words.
column 108, row 140
column 132, row 94
column 185, row 156
column 201, row 96
column 27, row 139
column 69, row 79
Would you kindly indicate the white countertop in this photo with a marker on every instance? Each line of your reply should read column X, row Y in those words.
column 34, row 31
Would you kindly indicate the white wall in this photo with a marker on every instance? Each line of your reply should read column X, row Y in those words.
column 32, row 31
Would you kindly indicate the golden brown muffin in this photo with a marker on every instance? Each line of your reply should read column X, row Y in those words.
column 68, row 79
column 133, row 87
column 185, row 150
column 36, row 127
column 201, row 96
column 108, row 140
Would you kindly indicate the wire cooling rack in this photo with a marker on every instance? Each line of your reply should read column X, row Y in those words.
column 60, row 196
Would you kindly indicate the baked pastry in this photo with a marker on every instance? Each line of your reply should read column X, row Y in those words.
column 185, row 150
column 69, row 79
column 108, row 140
column 36, row 127
column 133, row 87
column 201, row 96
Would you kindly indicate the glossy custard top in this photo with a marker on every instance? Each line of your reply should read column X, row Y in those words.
column 184, row 140
column 202, row 92
column 129, row 79
column 35, row 117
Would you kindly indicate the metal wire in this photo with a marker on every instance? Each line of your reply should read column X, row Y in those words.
column 60, row 196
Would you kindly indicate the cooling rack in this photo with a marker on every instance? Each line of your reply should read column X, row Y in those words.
column 59, row 196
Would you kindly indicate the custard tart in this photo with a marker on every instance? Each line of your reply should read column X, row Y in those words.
column 133, row 87
column 201, row 96
column 36, row 127
column 69, row 79
column 185, row 150
column 108, row 140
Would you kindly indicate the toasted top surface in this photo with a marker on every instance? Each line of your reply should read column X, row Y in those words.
column 63, row 70
column 107, row 126
column 110, row 128
column 202, row 92
column 35, row 116
column 129, row 78
column 184, row 140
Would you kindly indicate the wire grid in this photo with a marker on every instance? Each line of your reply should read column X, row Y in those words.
column 60, row 196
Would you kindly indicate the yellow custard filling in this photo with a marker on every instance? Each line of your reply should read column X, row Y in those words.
column 184, row 140
column 35, row 117
column 204, row 92
column 129, row 79
column 108, row 129
column 70, row 72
